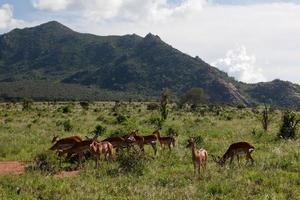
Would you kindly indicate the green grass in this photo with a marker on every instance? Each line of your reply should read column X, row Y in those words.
column 274, row 175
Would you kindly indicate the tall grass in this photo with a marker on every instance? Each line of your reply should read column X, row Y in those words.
column 274, row 175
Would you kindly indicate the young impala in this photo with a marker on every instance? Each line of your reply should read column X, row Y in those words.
column 236, row 149
column 98, row 148
column 199, row 156
column 168, row 141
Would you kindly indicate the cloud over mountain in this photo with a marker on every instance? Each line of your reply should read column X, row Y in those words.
column 239, row 64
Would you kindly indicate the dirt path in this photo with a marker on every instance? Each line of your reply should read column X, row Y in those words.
column 11, row 167
column 17, row 168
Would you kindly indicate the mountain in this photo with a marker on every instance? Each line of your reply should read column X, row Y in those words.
column 51, row 61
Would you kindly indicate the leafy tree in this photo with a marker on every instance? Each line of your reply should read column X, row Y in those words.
column 194, row 96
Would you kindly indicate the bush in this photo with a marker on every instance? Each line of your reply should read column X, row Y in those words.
column 121, row 119
column 99, row 130
column 45, row 162
column 85, row 105
column 288, row 126
column 66, row 109
column 67, row 126
column 132, row 162
column 152, row 106
column 27, row 103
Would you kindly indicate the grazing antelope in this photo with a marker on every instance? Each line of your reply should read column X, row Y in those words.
column 98, row 148
column 199, row 156
column 120, row 142
column 78, row 148
column 234, row 150
column 64, row 143
column 168, row 141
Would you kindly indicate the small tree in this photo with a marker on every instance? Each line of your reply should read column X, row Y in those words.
column 85, row 105
column 164, row 104
column 265, row 119
column 289, row 125
column 194, row 96
column 27, row 103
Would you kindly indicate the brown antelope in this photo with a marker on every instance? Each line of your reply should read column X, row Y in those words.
column 120, row 142
column 98, row 148
column 234, row 150
column 64, row 143
column 151, row 140
column 139, row 140
column 78, row 148
column 168, row 141
column 199, row 156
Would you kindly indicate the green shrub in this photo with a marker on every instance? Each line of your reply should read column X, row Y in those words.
column 66, row 109
column 132, row 162
column 46, row 162
column 27, row 104
column 84, row 104
column 67, row 126
column 121, row 118
column 99, row 130
column 288, row 126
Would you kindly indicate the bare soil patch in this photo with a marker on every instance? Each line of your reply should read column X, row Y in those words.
column 11, row 167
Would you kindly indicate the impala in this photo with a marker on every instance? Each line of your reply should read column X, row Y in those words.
column 120, row 142
column 168, row 141
column 151, row 140
column 98, row 148
column 139, row 140
column 64, row 143
column 236, row 149
column 199, row 156
column 78, row 148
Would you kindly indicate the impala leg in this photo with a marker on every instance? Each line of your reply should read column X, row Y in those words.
column 231, row 159
column 238, row 159
column 249, row 157
column 195, row 169
column 153, row 145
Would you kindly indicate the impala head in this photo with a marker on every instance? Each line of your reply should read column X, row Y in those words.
column 218, row 160
column 156, row 132
column 129, row 139
column 134, row 132
column 55, row 138
column 191, row 143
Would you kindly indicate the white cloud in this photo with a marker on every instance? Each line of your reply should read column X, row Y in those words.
column 7, row 21
column 239, row 64
column 129, row 10
column 53, row 5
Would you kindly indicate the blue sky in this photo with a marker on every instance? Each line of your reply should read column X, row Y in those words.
column 252, row 40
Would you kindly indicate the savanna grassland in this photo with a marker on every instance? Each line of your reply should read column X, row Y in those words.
column 26, row 133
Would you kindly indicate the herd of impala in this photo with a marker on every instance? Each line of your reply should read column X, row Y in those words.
column 74, row 145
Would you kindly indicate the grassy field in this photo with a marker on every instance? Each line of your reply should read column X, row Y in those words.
column 274, row 175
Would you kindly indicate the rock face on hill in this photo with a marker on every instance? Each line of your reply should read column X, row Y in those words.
column 52, row 57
